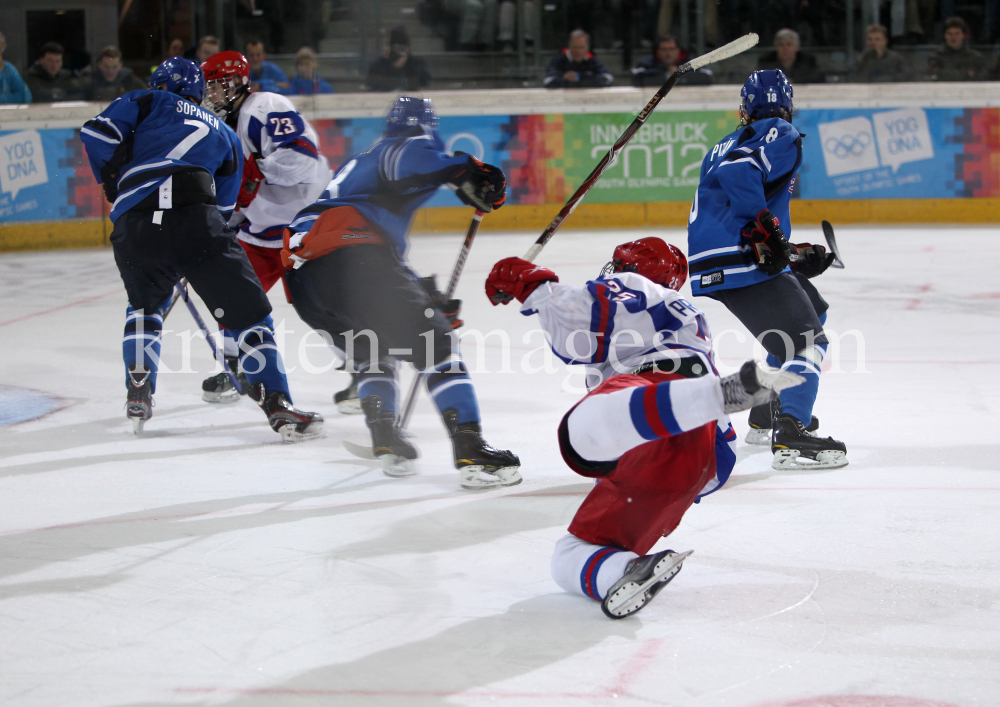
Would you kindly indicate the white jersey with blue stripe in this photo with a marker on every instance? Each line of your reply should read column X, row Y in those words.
column 618, row 322
column 146, row 136
column 287, row 150
column 749, row 170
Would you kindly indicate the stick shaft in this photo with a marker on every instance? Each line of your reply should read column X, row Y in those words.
column 456, row 273
column 724, row 52
column 217, row 352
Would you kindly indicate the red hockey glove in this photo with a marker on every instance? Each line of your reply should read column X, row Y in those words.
column 813, row 260
column 450, row 308
column 514, row 278
column 252, row 179
column 771, row 251
column 482, row 185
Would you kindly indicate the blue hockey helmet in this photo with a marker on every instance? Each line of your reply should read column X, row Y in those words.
column 181, row 76
column 408, row 112
column 766, row 94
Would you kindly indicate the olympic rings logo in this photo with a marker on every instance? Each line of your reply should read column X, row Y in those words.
column 848, row 145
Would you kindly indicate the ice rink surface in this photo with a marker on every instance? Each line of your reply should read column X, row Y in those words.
column 205, row 563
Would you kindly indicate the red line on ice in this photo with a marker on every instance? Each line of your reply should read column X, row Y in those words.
column 62, row 306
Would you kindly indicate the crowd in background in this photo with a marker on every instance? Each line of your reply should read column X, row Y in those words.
column 468, row 26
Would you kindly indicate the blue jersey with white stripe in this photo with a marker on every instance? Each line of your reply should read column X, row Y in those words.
column 749, row 170
column 388, row 182
column 146, row 136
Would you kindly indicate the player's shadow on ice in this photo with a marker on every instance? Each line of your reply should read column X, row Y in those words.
column 483, row 519
column 467, row 659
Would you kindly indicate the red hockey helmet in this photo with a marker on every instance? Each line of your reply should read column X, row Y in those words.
column 652, row 258
column 227, row 77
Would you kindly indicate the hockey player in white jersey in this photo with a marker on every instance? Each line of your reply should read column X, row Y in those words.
column 654, row 429
column 283, row 171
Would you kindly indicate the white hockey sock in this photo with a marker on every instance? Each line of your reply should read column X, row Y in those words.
column 604, row 427
column 590, row 570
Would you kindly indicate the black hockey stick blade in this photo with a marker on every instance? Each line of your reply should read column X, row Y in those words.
column 831, row 243
column 359, row 450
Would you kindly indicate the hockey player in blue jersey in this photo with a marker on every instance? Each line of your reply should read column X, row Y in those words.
column 348, row 273
column 171, row 169
column 739, row 255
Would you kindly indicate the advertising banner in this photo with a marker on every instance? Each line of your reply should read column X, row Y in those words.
column 922, row 153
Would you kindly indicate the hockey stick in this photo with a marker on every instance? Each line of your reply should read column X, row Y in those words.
column 724, row 52
column 217, row 352
column 463, row 255
column 831, row 243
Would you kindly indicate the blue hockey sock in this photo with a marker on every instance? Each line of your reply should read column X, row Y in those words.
column 450, row 387
column 799, row 400
column 260, row 359
column 142, row 338
column 381, row 383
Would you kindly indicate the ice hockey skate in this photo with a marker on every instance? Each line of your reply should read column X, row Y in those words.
column 795, row 448
column 139, row 404
column 761, row 421
column 643, row 579
column 347, row 400
column 389, row 445
column 480, row 465
column 219, row 389
column 292, row 424
column 753, row 386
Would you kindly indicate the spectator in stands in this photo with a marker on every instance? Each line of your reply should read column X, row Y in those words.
column 878, row 64
column 798, row 66
column 954, row 60
column 507, row 13
column 397, row 69
column 111, row 79
column 667, row 55
column 264, row 76
column 176, row 48
column 49, row 81
column 576, row 67
column 207, row 46
column 307, row 82
column 12, row 86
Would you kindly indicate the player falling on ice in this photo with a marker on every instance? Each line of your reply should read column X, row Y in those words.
column 740, row 256
column 654, row 428
column 347, row 254
column 283, row 172
column 171, row 170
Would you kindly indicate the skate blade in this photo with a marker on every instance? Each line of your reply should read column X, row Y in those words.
column 230, row 396
column 785, row 459
column 397, row 467
column 137, row 424
column 349, row 407
column 759, row 437
column 632, row 596
column 290, row 435
column 476, row 477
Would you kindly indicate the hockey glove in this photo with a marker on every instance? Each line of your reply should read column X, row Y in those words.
column 482, row 186
column 252, row 179
column 109, row 183
column 813, row 260
column 450, row 308
column 771, row 251
column 514, row 278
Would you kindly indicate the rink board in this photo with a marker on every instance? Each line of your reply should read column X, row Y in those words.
column 889, row 161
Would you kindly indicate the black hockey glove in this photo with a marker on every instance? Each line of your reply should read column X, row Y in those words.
column 771, row 251
column 482, row 185
column 813, row 260
column 109, row 183
column 450, row 308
